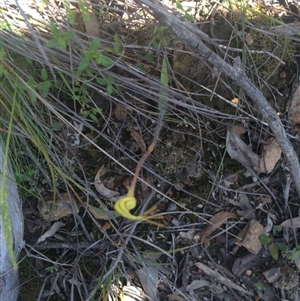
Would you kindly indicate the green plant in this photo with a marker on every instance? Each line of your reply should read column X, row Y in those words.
column 185, row 13
column 274, row 246
column 295, row 253
column 60, row 39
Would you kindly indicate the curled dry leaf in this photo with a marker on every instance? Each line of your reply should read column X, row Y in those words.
column 271, row 155
column 241, row 152
column 291, row 223
column 54, row 228
column 104, row 191
column 138, row 139
column 216, row 222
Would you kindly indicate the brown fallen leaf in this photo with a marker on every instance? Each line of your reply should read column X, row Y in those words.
column 215, row 223
column 271, row 155
column 291, row 223
column 138, row 139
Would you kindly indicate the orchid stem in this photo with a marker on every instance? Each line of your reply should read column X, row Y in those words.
column 146, row 155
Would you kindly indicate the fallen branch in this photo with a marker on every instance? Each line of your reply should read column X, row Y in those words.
column 192, row 37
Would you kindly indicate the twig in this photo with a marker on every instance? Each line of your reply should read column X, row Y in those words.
column 208, row 271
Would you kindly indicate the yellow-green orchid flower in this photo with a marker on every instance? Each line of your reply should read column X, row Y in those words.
column 127, row 203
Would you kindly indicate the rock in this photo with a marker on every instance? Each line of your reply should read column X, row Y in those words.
column 249, row 237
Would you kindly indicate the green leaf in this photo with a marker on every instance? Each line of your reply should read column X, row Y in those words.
column 44, row 87
column 85, row 114
column 179, row 5
column 52, row 43
column 83, row 64
column 164, row 79
column 93, row 117
column 259, row 285
column 104, row 61
column 101, row 81
column 71, row 17
column 95, row 45
column 62, row 43
column 265, row 240
column 117, row 43
column 276, row 229
column 54, row 30
column 110, row 79
column 149, row 57
column 295, row 255
column 68, row 36
column 31, row 81
column 274, row 251
column 2, row 53
column 44, row 74
column 188, row 17
column 109, row 89
column 282, row 247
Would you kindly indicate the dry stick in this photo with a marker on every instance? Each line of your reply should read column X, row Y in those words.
column 192, row 37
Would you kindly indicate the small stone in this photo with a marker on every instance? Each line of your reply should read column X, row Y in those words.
column 249, row 237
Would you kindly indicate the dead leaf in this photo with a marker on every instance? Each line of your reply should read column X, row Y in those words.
column 105, row 192
column 291, row 223
column 61, row 207
column 91, row 23
column 215, row 223
column 196, row 284
column 241, row 152
column 272, row 274
column 271, row 155
column 54, row 228
column 249, row 40
column 120, row 112
column 245, row 205
column 148, row 277
column 175, row 297
column 249, row 237
column 138, row 139
column 249, row 262
column 295, row 107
